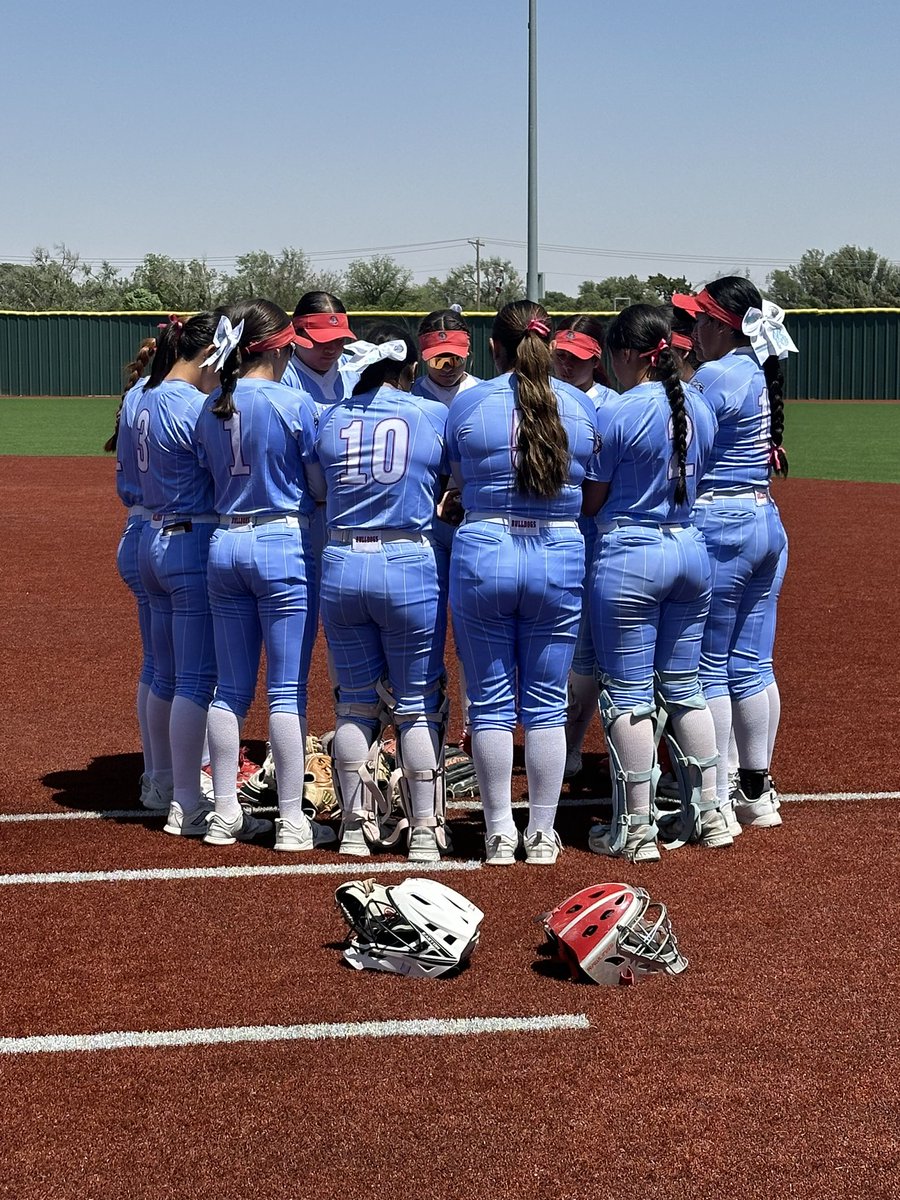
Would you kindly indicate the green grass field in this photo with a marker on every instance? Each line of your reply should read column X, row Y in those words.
column 824, row 441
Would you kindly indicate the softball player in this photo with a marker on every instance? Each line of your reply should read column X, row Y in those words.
column 129, row 486
column 172, row 555
column 577, row 353
column 520, row 447
column 650, row 587
column 382, row 455
column 741, row 340
column 255, row 437
column 444, row 347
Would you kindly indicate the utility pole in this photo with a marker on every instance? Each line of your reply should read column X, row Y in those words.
column 477, row 243
column 532, row 286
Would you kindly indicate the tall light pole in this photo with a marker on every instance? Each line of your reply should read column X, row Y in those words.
column 532, row 285
column 477, row 243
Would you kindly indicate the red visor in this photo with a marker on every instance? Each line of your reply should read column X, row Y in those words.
column 444, row 341
column 285, row 337
column 324, row 327
column 579, row 344
column 681, row 341
column 703, row 302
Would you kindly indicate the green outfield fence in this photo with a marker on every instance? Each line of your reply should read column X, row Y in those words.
column 845, row 354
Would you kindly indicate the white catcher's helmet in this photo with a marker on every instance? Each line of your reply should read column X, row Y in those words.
column 419, row 928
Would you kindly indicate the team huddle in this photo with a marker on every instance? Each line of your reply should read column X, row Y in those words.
column 594, row 550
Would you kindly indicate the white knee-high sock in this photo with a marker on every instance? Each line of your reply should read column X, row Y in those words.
column 720, row 707
column 158, row 714
column 419, row 744
column 289, row 753
column 224, row 731
column 750, row 718
column 463, row 693
column 492, row 753
column 695, row 733
column 205, row 761
column 545, row 760
column 349, row 748
column 584, row 691
column 733, row 761
column 143, row 694
column 633, row 740
column 774, row 720
column 187, row 733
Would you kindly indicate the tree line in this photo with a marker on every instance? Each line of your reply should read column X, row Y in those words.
column 61, row 280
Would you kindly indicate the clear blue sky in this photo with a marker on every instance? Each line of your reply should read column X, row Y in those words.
column 669, row 133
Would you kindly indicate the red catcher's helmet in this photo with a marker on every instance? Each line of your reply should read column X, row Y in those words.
column 613, row 933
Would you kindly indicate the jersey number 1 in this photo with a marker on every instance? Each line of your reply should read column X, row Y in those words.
column 233, row 426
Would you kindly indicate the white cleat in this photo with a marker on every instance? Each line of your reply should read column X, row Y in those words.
column 542, row 847
column 295, row 836
column 242, row 829
column 500, row 849
column 193, row 823
column 761, row 814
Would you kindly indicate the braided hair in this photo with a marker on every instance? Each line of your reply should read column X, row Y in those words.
column 262, row 319
column 737, row 294
column 646, row 329
column 132, row 371
column 542, row 457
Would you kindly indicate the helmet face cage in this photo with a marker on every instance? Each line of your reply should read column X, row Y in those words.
column 649, row 941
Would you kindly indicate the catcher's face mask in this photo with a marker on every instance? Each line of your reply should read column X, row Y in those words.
column 419, row 928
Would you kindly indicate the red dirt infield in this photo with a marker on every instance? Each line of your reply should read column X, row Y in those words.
column 767, row 1070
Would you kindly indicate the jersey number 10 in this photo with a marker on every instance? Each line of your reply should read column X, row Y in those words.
column 385, row 459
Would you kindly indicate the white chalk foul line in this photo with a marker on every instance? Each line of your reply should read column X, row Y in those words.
column 109, row 814
column 364, row 867
column 785, row 798
column 166, row 1038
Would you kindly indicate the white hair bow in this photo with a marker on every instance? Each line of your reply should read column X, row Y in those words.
column 364, row 354
column 225, row 339
column 765, row 329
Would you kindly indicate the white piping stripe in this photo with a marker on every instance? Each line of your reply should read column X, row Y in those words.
column 784, row 797
column 364, row 867
column 425, row 1027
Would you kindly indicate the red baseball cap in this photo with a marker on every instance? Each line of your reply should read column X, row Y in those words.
column 324, row 327
column 582, row 345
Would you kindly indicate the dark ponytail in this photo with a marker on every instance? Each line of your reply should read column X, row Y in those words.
column 388, row 370
column 646, row 329
column 262, row 319
column 542, row 458
column 775, row 383
column 133, row 371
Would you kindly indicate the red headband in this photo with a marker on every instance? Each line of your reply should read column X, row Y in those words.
column 654, row 354
column 681, row 341
column 284, row 337
column 323, row 327
column 703, row 302
column 175, row 320
column 582, row 345
column 444, row 341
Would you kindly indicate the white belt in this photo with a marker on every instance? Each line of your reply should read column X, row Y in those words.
column 521, row 526
column 759, row 494
column 138, row 510
column 369, row 541
column 292, row 520
column 181, row 522
column 626, row 523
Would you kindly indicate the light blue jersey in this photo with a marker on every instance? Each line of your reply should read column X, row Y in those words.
column 601, row 395
column 174, row 480
column 256, row 457
column 425, row 386
column 326, row 389
column 637, row 456
column 382, row 453
column 735, row 389
column 131, row 448
column 481, row 444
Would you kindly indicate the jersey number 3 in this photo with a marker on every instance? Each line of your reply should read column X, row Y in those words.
column 385, row 459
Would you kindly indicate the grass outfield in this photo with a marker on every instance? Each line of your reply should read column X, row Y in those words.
column 824, row 441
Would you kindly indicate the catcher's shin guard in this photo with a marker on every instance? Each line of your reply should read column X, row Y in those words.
column 682, row 825
column 621, row 822
column 373, row 775
column 439, row 720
